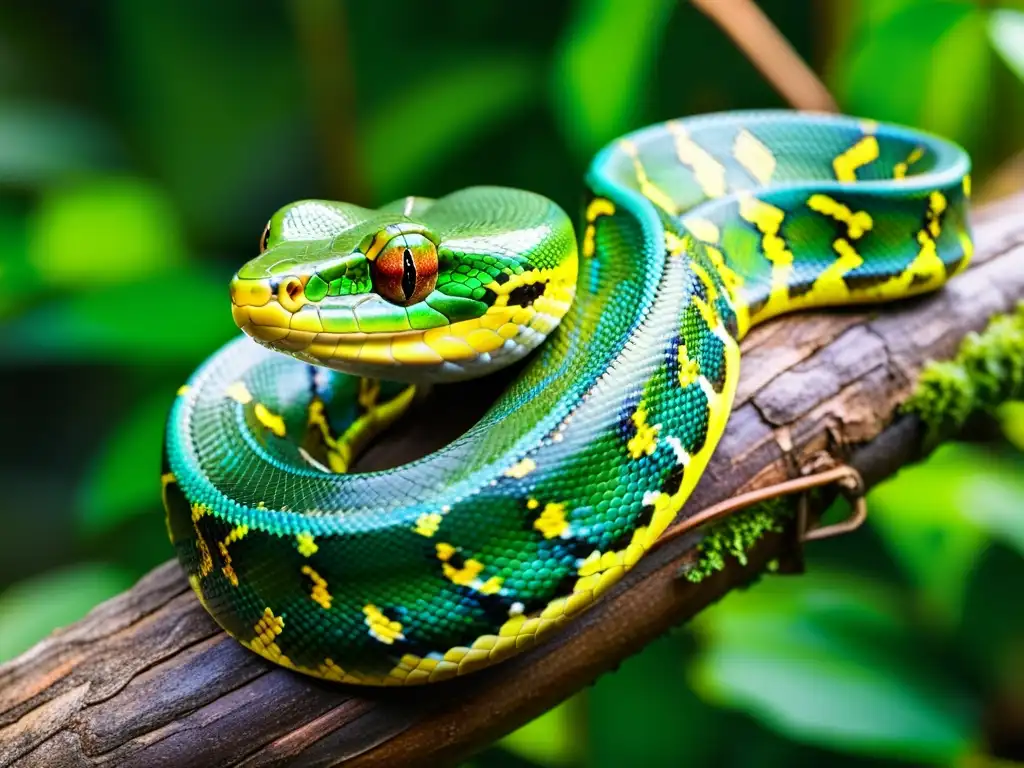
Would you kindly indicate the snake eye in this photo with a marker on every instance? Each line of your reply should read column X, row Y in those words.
column 265, row 237
column 405, row 270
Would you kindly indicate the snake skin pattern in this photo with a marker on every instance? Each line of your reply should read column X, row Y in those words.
column 694, row 230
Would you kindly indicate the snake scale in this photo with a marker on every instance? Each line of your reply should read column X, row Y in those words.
column 693, row 231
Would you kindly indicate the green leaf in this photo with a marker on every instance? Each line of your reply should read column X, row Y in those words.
column 928, row 530
column 1011, row 419
column 922, row 66
column 31, row 609
column 828, row 660
column 992, row 495
column 439, row 112
column 1006, row 28
column 603, row 66
column 661, row 708
column 43, row 143
column 218, row 106
column 123, row 479
column 548, row 739
column 105, row 230
column 177, row 317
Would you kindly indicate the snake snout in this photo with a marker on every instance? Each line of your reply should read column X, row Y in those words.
column 262, row 307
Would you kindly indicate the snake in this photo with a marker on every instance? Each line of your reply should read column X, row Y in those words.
column 625, row 336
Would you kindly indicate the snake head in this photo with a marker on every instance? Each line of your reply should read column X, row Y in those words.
column 419, row 290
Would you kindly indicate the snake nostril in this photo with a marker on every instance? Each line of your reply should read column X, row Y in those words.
column 290, row 293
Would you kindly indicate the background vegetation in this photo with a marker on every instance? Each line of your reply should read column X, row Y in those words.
column 143, row 146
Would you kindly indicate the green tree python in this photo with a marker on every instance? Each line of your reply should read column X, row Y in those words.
column 693, row 231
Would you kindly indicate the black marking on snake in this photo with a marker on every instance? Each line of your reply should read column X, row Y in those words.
column 408, row 273
column 502, row 277
column 673, row 480
column 525, row 295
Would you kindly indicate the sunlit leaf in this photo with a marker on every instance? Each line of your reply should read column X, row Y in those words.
column 460, row 100
column 926, row 67
column 123, row 478
column 1006, row 27
column 43, row 143
column 602, row 68
column 547, row 740
column 827, row 660
column 176, row 317
column 1011, row 419
column 927, row 529
column 106, row 230
column 31, row 609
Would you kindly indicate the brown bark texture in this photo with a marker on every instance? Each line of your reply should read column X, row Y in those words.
column 147, row 679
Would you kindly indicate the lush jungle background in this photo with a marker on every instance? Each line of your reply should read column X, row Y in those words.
column 142, row 148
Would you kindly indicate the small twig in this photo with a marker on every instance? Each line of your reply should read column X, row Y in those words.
column 321, row 29
column 770, row 52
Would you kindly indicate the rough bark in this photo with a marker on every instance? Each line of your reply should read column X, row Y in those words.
column 147, row 679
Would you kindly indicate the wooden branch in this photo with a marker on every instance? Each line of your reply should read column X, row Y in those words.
column 768, row 50
column 147, row 679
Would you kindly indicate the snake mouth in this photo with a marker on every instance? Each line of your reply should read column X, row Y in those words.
column 367, row 335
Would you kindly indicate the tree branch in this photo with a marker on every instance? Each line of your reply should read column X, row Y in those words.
column 147, row 679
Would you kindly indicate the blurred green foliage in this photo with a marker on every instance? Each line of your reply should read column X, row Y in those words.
column 142, row 147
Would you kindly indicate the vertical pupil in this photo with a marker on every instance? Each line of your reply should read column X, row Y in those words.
column 408, row 274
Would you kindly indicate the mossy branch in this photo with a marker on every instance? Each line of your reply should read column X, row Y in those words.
column 987, row 371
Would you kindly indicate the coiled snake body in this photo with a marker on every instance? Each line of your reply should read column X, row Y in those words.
column 694, row 231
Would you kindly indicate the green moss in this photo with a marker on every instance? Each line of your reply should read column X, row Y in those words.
column 735, row 536
column 987, row 370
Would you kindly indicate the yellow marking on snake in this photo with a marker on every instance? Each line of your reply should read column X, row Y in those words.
column 521, row 468
column 645, row 440
column 705, row 278
column 967, row 185
column 689, row 370
column 709, row 173
column 899, row 171
column 857, row 223
column 381, row 627
column 645, row 185
column 184, row 389
column 239, row 393
column 338, row 455
column 306, row 545
column 468, row 574
column 704, row 230
column 267, row 630
column 860, row 154
column 237, row 534
column 427, row 524
column 319, row 592
column 552, row 522
column 331, row 671
column 675, row 245
column 597, row 207
column 768, row 220
column 167, row 479
column 205, row 560
column 927, row 268
column 755, row 157
column 269, row 419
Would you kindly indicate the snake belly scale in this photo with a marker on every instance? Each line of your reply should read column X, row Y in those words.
column 693, row 231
